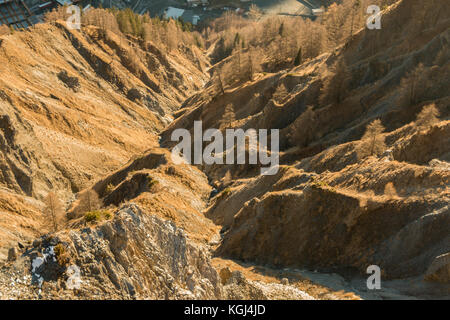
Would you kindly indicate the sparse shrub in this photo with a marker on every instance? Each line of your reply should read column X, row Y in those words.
column 62, row 254
column 109, row 188
column 320, row 184
column 97, row 215
column 152, row 184
column 92, row 216
column 226, row 192
column 107, row 214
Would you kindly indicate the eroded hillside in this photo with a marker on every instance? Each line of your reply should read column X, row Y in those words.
column 363, row 178
column 77, row 105
column 335, row 204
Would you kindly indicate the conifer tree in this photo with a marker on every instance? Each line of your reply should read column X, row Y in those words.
column 53, row 211
column 373, row 139
column 428, row 116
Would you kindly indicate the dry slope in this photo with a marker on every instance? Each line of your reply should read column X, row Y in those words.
column 75, row 105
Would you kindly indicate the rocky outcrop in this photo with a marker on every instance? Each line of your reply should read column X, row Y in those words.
column 439, row 270
column 133, row 256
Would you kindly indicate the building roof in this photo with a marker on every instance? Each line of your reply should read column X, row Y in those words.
column 174, row 13
column 14, row 13
column 64, row 2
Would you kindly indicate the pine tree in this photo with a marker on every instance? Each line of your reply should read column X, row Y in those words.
column 53, row 211
column 428, row 116
column 356, row 5
column 228, row 117
column 373, row 139
column 413, row 86
column 389, row 190
column 298, row 58
column 217, row 83
column 250, row 66
column 281, row 30
column 89, row 201
column 280, row 94
column 237, row 40
column 303, row 128
column 336, row 86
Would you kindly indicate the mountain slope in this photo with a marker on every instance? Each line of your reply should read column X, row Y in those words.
column 333, row 206
column 76, row 105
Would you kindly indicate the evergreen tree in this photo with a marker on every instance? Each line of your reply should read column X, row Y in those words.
column 53, row 211
column 298, row 58
column 428, row 116
column 373, row 139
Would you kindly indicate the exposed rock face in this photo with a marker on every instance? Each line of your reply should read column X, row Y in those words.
column 335, row 220
column 137, row 256
column 439, row 270
column 20, row 218
column 133, row 256
column 320, row 214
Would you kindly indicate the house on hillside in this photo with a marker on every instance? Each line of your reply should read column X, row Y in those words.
column 185, row 15
column 173, row 13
